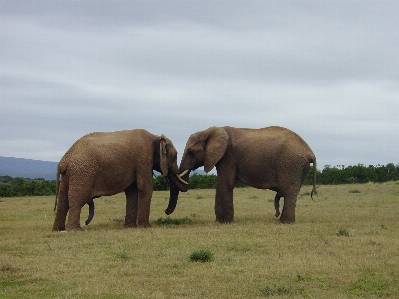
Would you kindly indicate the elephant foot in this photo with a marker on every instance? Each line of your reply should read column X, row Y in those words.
column 286, row 220
column 129, row 225
column 225, row 219
column 59, row 228
column 75, row 228
column 144, row 225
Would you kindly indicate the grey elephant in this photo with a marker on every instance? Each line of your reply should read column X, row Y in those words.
column 272, row 158
column 102, row 164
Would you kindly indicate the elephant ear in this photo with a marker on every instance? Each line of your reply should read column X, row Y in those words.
column 163, row 155
column 216, row 145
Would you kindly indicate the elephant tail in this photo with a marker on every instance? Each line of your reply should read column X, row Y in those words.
column 57, row 183
column 314, row 176
column 57, row 186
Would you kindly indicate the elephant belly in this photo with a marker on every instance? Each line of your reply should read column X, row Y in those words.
column 258, row 180
column 256, row 170
column 110, row 187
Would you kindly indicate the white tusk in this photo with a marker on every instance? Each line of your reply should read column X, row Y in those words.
column 183, row 173
column 181, row 180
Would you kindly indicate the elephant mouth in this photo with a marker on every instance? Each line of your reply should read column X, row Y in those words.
column 180, row 179
column 177, row 181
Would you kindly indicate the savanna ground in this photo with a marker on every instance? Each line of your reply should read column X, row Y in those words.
column 345, row 244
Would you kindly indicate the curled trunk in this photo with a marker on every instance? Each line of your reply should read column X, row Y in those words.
column 174, row 195
column 175, row 187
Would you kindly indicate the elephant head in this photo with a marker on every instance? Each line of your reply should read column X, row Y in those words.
column 204, row 148
column 168, row 165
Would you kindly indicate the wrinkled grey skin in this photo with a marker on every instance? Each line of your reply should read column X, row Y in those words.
column 272, row 158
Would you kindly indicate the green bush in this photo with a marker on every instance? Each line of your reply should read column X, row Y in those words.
column 201, row 255
column 343, row 232
column 354, row 191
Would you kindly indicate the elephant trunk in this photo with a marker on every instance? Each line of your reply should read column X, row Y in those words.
column 174, row 195
column 175, row 188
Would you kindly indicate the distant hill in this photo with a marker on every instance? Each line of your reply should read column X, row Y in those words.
column 27, row 168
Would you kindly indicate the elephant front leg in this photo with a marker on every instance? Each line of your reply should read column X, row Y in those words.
column 138, row 201
column 288, row 213
column 131, row 206
column 144, row 205
column 224, row 207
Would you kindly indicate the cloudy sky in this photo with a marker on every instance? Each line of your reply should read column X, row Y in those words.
column 328, row 70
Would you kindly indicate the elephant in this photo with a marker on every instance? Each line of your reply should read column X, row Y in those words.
column 106, row 163
column 272, row 158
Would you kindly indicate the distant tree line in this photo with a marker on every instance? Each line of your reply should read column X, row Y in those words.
column 336, row 175
column 14, row 187
column 358, row 174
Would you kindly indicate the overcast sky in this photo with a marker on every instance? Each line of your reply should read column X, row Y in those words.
column 328, row 70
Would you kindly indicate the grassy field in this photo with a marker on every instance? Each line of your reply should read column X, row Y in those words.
column 345, row 244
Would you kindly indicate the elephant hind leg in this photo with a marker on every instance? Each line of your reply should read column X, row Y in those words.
column 62, row 207
column 77, row 200
column 288, row 213
column 74, row 218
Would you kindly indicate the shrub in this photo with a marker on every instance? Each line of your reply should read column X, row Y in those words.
column 343, row 232
column 201, row 255
column 354, row 191
column 122, row 255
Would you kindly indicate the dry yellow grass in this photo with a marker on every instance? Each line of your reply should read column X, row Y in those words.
column 255, row 257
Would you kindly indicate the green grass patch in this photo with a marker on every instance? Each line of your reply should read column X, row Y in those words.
column 172, row 221
column 201, row 255
column 369, row 285
column 122, row 255
column 281, row 290
column 343, row 232
column 354, row 191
